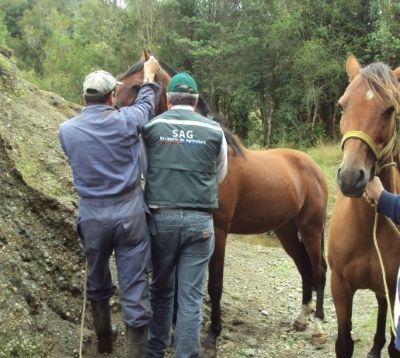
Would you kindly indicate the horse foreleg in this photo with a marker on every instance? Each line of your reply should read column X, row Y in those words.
column 379, row 338
column 393, row 352
column 215, row 285
column 343, row 300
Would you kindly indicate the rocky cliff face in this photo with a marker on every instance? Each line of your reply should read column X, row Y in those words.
column 41, row 264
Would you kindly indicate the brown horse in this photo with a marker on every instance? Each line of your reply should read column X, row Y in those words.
column 281, row 190
column 368, row 126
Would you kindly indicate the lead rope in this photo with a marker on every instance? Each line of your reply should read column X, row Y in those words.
column 83, row 313
column 397, row 232
column 392, row 326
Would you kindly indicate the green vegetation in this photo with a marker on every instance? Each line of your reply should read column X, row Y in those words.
column 274, row 69
column 328, row 157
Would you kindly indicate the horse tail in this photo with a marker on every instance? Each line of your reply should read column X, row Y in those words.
column 323, row 253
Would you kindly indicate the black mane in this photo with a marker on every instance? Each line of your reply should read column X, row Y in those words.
column 137, row 67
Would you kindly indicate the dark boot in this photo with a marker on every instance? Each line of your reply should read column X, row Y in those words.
column 106, row 333
column 137, row 341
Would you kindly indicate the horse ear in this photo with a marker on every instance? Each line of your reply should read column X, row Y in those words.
column 353, row 67
column 146, row 54
column 397, row 73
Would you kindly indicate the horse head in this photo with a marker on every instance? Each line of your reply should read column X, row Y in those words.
column 368, row 123
column 132, row 80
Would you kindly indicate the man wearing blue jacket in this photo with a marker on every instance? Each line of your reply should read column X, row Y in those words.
column 388, row 204
column 102, row 146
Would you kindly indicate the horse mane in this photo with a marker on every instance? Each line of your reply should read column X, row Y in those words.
column 383, row 83
column 204, row 109
column 137, row 67
column 167, row 68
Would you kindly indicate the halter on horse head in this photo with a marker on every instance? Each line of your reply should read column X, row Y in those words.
column 368, row 124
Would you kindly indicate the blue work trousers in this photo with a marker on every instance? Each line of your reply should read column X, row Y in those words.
column 118, row 224
column 183, row 245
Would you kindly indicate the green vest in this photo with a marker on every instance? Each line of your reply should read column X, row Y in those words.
column 182, row 150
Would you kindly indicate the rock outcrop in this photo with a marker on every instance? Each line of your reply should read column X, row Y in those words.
column 41, row 263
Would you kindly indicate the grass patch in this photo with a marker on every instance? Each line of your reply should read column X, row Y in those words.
column 328, row 157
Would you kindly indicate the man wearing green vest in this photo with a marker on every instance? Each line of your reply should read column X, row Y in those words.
column 187, row 158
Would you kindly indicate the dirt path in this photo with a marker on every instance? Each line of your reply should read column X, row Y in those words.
column 265, row 279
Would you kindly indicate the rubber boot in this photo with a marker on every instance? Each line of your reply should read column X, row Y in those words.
column 106, row 333
column 137, row 341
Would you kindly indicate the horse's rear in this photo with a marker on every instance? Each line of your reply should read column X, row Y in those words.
column 368, row 125
column 286, row 185
column 279, row 190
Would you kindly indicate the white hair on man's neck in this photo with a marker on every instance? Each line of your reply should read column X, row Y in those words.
column 177, row 98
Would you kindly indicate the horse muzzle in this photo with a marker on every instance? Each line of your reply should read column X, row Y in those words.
column 352, row 182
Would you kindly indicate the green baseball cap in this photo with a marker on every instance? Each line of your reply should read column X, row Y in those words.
column 182, row 83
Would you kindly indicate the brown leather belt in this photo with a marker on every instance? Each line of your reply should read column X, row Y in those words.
column 177, row 210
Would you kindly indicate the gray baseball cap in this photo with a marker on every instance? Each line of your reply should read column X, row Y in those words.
column 99, row 83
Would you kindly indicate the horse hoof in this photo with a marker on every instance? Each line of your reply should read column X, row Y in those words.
column 208, row 353
column 318, row 339
column 299, row 326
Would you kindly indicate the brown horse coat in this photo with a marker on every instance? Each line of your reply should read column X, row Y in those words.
column 278, row 189
column 368, row 105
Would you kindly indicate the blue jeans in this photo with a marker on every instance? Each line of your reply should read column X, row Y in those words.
column 183, row 245
column 119, row 225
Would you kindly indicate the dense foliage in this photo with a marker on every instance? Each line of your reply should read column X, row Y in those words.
column 274, row 69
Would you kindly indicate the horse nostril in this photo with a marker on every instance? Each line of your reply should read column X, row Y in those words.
column 362, row 176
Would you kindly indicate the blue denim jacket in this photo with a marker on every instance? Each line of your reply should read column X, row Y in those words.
column 102, row 145
column 389, row 205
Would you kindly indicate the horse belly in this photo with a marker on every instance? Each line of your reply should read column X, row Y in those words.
column 270, row 189
column 256, row 219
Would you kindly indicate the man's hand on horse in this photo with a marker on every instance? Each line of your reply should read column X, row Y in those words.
column 151, row 68
column 374, row 190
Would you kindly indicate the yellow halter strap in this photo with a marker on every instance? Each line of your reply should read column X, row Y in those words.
column 364, row 137
column 380, row 155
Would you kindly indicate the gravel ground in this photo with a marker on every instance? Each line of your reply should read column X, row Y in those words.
column 264, row 279
column 262, row 297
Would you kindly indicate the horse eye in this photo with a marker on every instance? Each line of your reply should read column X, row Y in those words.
column 388, row 112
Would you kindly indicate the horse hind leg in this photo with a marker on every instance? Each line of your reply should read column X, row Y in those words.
column 215, row 286
column 313, row 240
column 289, row 239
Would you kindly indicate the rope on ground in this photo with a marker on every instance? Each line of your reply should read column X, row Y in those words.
column 83, row 313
